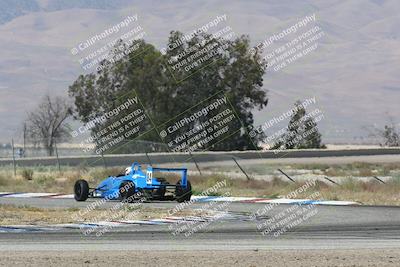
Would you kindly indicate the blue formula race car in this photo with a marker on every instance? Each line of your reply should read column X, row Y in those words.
column 134, row 182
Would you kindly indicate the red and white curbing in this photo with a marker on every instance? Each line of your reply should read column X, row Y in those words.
column 199, row 199
column 226, row 216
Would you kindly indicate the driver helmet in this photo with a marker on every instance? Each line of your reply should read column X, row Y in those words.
column 128, row 170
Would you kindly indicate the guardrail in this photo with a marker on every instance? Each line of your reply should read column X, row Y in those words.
column 160, row 158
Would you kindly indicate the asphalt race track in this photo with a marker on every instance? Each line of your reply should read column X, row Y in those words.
column 332, row 227
column 294, row 156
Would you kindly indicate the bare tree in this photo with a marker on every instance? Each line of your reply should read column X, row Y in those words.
column 47, row 123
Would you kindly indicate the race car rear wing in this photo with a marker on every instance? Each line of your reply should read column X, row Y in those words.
column 183, row 172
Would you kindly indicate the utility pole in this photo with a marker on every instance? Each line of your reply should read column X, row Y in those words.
column 24, row 140
column 58, row 160
column 13, row 155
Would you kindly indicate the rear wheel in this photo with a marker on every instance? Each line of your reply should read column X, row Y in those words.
column 127, row 191
column 81, row 190
column 183, row 194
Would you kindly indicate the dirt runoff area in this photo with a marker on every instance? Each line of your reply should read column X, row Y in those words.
column 26, row 215
column 361, row 257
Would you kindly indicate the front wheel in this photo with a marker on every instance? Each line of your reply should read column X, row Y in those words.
column 183, row 194
column 81, row 190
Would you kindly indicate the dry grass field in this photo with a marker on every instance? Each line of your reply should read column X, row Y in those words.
column 351, row 187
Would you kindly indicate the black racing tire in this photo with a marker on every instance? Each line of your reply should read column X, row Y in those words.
column 127, row 191
column 183, row 194
column 81, row 190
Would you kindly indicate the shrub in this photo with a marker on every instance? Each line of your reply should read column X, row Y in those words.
column 27, row 174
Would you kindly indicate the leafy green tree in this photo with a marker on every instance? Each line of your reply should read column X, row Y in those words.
column 302, row 131
column 164, row 92
column 390, row 135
